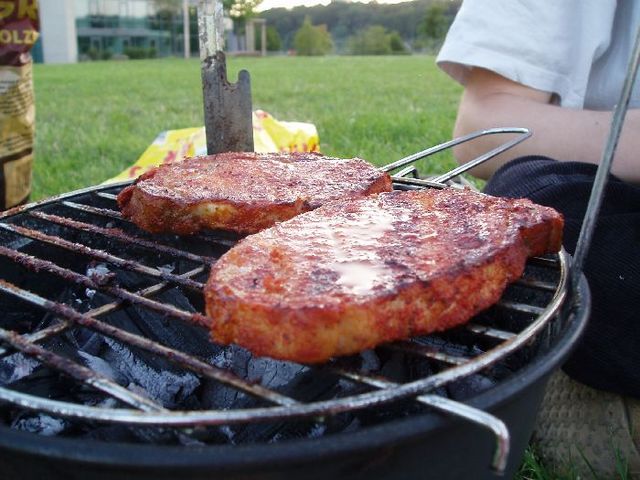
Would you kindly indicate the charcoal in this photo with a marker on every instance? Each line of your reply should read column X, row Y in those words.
column 162, row 385
column 469, row 386
column 16, row 366
column 39, row 423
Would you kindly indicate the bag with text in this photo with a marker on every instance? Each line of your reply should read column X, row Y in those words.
column 19, row 27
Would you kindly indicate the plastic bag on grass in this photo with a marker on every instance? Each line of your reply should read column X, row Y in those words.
column 269, row 135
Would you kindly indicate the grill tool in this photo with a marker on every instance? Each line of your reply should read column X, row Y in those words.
column 227, row 106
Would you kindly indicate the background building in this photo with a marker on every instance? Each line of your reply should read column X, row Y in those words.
column 73, row 30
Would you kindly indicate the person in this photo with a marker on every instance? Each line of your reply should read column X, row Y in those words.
column 557, row 68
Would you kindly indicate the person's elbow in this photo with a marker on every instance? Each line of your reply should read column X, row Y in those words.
column 491, row 101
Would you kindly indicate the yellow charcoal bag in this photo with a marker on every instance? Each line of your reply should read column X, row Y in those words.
column 269, row 135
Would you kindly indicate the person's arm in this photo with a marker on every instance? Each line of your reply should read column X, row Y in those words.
column 490, row 100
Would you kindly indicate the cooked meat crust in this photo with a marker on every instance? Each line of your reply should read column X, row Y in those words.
column 243, row 192
column 351, row 275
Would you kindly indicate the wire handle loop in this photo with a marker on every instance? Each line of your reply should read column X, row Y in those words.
column 440, row 180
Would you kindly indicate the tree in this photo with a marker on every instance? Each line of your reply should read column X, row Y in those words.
column 274, row 42
column 434, row 26
column 346, row 18
column 396, row 43
column 241, row 11
column 312, row 39
column 373, row 40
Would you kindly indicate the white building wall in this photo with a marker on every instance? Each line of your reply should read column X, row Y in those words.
column 58, row 31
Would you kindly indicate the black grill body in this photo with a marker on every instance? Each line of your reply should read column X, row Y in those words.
column 426, row 446
column 421, row 445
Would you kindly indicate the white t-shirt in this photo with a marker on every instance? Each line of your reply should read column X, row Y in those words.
column 578, row 50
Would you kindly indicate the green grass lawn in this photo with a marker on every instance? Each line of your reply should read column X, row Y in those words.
column 95, row 119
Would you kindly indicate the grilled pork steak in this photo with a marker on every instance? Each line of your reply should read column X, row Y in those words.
column 351, row 275
column 243, row 192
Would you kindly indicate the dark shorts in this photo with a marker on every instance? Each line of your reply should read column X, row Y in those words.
column 608, row 355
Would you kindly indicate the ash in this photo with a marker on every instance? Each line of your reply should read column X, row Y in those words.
column 41, row 424
column 15, row 367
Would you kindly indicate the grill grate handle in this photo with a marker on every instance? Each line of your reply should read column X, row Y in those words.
column 439, row 181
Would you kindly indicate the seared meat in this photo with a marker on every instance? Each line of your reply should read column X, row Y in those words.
column 244, row 192
column 351, row 275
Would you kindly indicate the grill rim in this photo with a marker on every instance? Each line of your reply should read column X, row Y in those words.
column 61, row 197
column 228, row 456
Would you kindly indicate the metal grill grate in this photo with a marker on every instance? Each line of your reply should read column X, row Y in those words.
column 67, row 242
